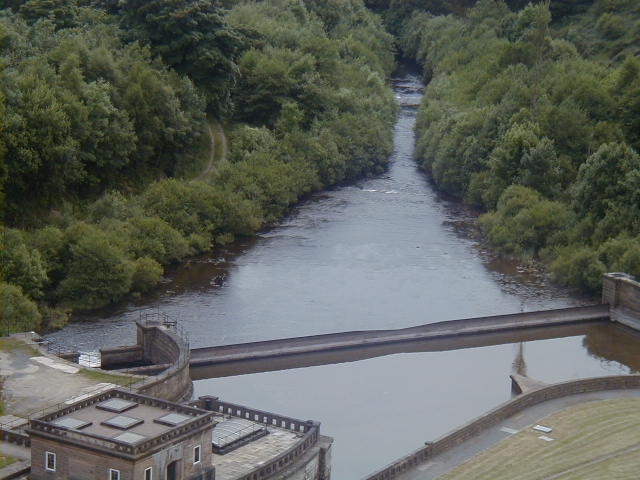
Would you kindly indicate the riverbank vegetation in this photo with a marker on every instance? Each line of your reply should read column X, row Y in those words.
column 532, row 114
column 104, row 117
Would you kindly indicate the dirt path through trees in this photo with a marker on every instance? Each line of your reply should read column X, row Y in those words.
column 218, row 149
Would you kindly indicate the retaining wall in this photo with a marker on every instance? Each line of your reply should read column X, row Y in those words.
column 160, row 344
column 113, row 357
column 499, row 414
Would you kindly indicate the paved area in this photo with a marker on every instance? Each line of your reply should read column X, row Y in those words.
column 34, row 382
column 592, row 441
column 246, row 458
column 456, row 456
column 22, row 456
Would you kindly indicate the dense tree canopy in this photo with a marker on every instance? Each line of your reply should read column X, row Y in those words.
column 524, row 119
column 104, row 128
column 532, row 113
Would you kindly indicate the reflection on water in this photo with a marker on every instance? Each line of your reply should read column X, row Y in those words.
column 615, row 345
column 382, row 408
column 385, row 253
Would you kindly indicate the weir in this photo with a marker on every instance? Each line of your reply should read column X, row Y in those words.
column 449, row 335
column 620, row 303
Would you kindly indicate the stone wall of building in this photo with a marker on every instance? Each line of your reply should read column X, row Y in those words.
column 94, row 462
column 70, row 459
column 309, row 458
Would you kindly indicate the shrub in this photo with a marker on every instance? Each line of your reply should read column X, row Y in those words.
column 147, row 273
column 524, row 221
column 19, row 314
column 580, row 267
column 97, row 271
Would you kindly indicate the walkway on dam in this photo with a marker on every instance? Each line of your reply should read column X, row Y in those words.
column 208, row 356
column 456, row 456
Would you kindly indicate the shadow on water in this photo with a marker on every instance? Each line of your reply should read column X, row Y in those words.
column 615, row 344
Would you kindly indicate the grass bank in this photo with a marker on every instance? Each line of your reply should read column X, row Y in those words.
column 6, row 460
column 592, row 441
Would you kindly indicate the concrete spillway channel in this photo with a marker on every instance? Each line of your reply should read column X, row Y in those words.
column 350, row 346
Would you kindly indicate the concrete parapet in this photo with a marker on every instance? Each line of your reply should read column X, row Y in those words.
column 12, row 436
column 499, row 414
column 111, row 358
column 620, row 290
column 163, row 354
column 16, row 470
column 161, row 345
column 523, row 384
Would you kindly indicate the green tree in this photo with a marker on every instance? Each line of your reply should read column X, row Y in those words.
column 22, row 266
column 271, row 78
column 153, row 237
column 521, row 157
column 192, row 37
column 63, row 13
column 146, row 274
column 97, row 271
column 524, row 222
column 19, row 313
column 579, row 266
column 609, row 179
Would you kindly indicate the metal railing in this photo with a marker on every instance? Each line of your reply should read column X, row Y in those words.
column 166, row 320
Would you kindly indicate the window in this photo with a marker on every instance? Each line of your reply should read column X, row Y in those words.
column 50, row 461
column 114, row 474
column 196, row 454
column 148, row 474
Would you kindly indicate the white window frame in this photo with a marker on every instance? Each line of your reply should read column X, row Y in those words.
column 148, row 470
column 197, row 454
column 113, row 471
column 47, row 456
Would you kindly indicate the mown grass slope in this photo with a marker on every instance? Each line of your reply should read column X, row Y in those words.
column 592, row 441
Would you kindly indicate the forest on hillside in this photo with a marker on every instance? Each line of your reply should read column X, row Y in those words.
column 105, row 110
column 531, row 114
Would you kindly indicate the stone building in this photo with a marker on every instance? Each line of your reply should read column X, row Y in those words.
column 118, row 435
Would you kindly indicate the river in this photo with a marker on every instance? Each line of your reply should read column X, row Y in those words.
column 387, row 252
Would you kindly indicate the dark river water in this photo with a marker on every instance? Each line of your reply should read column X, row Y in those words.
column 387, row 252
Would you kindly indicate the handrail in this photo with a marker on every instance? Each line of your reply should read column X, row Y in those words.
column 214, row 404
column 309, row 429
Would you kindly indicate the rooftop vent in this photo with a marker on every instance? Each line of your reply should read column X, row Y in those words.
column 122, row 422
column 71, row 423
column 172, row 419
column 129, row 437
column 117, row 405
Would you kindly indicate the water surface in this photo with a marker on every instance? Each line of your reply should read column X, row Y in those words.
column 387, row 252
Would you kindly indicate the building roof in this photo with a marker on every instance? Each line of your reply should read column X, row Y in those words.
column 125, row 423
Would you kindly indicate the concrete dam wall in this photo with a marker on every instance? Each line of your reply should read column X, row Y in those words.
column 202, row 358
